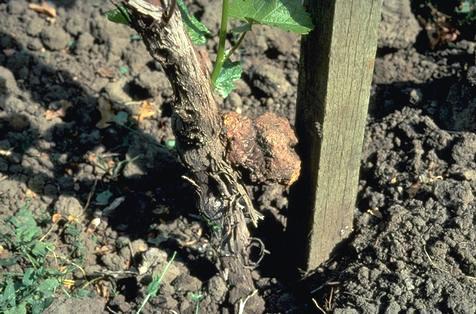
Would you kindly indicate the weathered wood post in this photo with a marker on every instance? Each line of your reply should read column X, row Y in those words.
column 337, row 61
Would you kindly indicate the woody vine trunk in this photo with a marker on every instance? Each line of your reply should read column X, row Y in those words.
column 221, row 198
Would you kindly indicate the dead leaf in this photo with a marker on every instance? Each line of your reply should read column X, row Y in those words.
column 102, row 250
column 375, row 212
column 73, row 219
column 56, row 217
column 107, row 115
column 68, row 283
column 43, row 8
column 106, row 72
column 51, row 114
column 102, row 289
column 146, row 110
column 30, row 194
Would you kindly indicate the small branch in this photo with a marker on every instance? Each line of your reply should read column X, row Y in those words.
column 236, row 46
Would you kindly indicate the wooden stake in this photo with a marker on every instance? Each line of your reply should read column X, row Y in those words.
column 337, row 61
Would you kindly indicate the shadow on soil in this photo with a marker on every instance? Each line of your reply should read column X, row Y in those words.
column 65, row 146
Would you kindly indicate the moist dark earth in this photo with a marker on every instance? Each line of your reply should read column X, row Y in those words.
column 85, row 128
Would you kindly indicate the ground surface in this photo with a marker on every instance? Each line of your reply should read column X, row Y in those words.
column 78, row 140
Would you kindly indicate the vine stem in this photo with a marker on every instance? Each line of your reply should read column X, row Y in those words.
column 221, row 44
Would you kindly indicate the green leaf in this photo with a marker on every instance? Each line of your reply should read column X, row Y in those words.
column 39, row 249
column 465, row 7
column 225, row 82
column 123, row 70
column 48, row 287
column 28, row 277
column 288, row 15
column 119, row 15
column 8, row 261
column 135, row 37
column 82, row 293
column 20, row 309
column 170, row 144
column 103, row 197
column 196, row 297
column 197, row 31
column 25, row 226
column 39, row 306
column 8, row 295
column 121, row 117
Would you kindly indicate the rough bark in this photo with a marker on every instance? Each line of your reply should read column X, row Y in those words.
column 222, row 199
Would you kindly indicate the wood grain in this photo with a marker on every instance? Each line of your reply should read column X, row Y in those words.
column 334, row 87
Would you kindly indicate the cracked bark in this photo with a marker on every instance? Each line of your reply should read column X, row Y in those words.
column 197, row 125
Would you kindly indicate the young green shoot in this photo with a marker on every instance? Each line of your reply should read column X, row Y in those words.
column 288, row 15
column 222, row 41
column 154, row 286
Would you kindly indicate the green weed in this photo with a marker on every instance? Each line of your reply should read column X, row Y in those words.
column 33, row 273
column 154, row 286
column 467, row 11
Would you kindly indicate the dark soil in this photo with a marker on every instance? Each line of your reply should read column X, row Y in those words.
column 414, row 243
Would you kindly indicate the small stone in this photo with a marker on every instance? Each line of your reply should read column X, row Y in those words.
column 454, row 193
column 16, row 7
column 234, row 100
column 155, row 83
column 242, row 88
column 415, row 96
column 393, row 308
column 8, row 84
column 84, row 43
column 35, row 26
column 172, row 272
column 470, row 174
column 185, row 282
column 62, row 305
column 114, row 262
column 92, row 270
column 156, row 260
column 139, row 246
column 75, row 24
column 54, row 38
column 115, row 91
column 270, row 80
column 119, row 303
column 398, row 27
column 217, row 288
column 122, row 241
column 184, row 306
column 69, row 206
column 35, row 45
